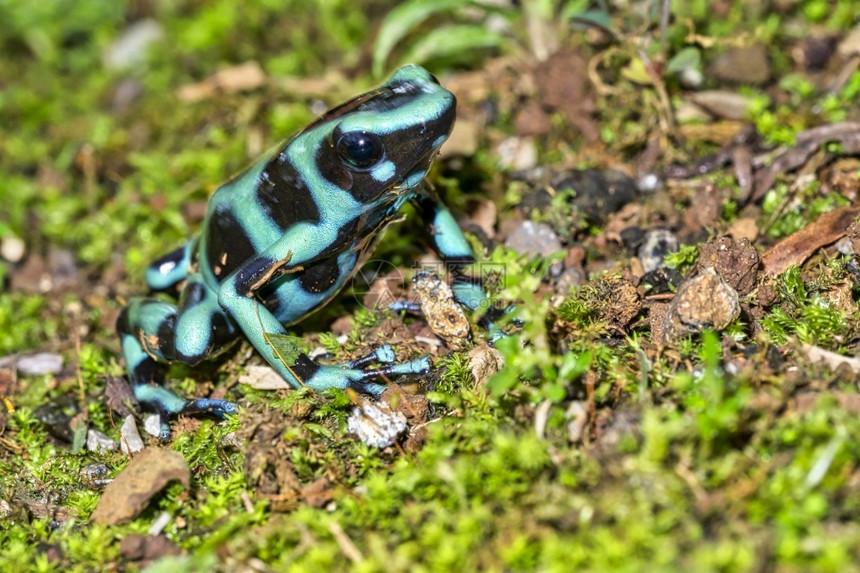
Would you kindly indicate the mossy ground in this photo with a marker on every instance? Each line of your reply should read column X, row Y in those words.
column 714, row 454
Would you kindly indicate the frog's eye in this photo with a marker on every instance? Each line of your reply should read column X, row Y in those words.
column 360, row 149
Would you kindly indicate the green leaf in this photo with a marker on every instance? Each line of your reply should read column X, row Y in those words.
column 502, row 381
column 452, row 41
column 636, row 72
column 688, row 58
column 400, row 21
column 286, row 346
column 596, row 18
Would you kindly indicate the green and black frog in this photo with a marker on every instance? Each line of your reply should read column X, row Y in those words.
column 282, row 238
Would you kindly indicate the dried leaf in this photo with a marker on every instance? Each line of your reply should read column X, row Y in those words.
column 799, row 246
column 146, row 475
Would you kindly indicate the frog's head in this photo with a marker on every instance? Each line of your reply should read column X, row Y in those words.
column 382, row 142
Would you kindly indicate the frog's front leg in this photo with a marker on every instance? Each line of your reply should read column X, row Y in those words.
column 170, row 269
column 451, row 246
column 154, row 331
column 237, row 298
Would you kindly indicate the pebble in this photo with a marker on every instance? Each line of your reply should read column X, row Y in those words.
column 530, row 238
column 12, row 248
column 649, row 182
column 705, row 301
column 131, row 442
column 742, row 65
column 723, row 104
column 263, row 377
column 99, row 442
column 657, row 244
column 517, row 153
column 152, row 425
column 40, row 364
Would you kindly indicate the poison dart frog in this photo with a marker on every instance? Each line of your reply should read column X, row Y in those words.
column 282, row 238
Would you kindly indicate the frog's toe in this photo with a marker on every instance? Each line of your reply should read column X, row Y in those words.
column 373, row 388
column 210, row 406
column 382, row 355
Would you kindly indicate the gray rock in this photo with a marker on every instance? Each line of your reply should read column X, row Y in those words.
column 530, row 238
column 40, row 364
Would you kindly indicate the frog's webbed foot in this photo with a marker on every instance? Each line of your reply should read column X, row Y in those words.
column 168, row 405
column 357, row 374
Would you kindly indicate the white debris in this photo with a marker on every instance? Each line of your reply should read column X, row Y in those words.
column 152, row 425
column 131, row 442
column 375, row 424
column 130, row 48
column 260, row 377
column 99, row 442
column 40, row 364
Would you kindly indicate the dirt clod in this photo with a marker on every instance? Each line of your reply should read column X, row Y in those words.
column 705, row 301
column 737, row 262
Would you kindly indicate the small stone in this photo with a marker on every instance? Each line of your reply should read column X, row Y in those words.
column 40, row 364
column 570, row 278
column 723, row 104
column 12, row 248
column 530, row 238
column 649, row 182
column 743, row 65
column 657, row 244
column 844, row 247
column 517, row 153
column 129, row 49
column 850, row 45
column 131, row 442
column 690, row 78
column 99, row 442
column 152, row 425
column 577, row 413
column 375, row 424
column 705, row 301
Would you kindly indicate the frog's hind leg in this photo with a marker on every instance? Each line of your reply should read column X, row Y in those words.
column 172, row 268
column 356, row 373
column 154, row 331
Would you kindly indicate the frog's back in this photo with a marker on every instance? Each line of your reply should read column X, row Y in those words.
column 249, row 213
